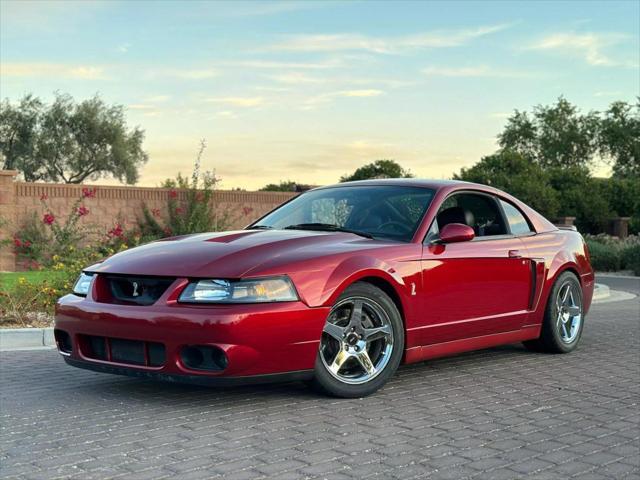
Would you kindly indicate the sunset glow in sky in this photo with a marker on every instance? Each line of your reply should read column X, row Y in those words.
column 309, row 91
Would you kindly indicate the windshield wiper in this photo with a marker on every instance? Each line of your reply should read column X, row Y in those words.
column 327, row 227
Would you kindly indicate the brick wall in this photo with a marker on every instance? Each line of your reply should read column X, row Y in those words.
column 20, row 199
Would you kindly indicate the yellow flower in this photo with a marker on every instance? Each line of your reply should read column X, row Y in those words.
column 22, row 281
column 55, row 258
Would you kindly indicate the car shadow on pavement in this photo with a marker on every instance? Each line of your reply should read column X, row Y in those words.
column 101, row 385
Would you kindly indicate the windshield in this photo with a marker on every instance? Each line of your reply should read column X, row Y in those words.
column 389, row 212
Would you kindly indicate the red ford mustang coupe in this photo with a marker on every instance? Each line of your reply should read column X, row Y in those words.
column 337, row 287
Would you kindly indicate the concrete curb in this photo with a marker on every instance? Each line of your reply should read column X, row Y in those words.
column 627, row 274
column 600, row 292
column 615, row 296
column 24, row 338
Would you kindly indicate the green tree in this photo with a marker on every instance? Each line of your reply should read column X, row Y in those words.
column 553, row 136
column 70, row 142
column 19, row 134
column 283, row 186
column 583, row 197
column 512, row 172
column 619, row 138
column 378, row 169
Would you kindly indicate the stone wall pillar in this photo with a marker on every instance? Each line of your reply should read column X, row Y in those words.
column 7, row 217
column 619, row 227
column 565, row 221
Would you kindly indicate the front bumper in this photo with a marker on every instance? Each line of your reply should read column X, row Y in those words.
column 258, row 340
column 204, row 380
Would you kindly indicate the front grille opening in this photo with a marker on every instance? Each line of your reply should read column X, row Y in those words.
column 97, row 347
column 118, row 350
column 63, row 340
column 156, row 354
column 130, row 290
column 204, row 357
column 127, row 351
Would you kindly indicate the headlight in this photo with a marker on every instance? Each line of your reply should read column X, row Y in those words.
column 256, row 290
column 83, row 283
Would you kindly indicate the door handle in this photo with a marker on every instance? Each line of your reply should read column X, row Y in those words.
column 514, row 254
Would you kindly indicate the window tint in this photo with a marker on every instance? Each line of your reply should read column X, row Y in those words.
column 478, row 211
column 517, row 222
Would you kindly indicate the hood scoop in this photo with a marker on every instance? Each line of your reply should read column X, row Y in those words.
column 231, row 237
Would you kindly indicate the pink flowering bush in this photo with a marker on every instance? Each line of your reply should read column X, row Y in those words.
column 191, row 207
column 40, row 239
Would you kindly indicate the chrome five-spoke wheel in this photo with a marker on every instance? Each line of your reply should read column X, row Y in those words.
column 361, row 344
column 357, row 340
column 569, row 312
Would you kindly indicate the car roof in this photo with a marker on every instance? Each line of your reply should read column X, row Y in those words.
column 409, row 182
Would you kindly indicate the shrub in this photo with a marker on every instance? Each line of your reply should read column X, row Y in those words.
column 631, row 259
column 39, row 239
column 611, row 253
column 32, row 302
column 604, row 258
column 191, row 207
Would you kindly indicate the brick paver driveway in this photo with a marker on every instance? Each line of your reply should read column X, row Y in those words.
column 499, row 413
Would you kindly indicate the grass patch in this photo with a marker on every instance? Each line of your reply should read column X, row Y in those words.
column 9, row 281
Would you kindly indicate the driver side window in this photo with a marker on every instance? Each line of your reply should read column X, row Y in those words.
column 479, row 211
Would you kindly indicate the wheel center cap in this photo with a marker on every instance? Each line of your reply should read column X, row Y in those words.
column 352, row 339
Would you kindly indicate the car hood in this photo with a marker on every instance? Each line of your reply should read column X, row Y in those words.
column 230, row 254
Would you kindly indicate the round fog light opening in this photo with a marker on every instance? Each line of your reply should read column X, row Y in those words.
column 219, row 358
column 192, row 357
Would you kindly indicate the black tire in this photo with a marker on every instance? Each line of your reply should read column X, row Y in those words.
column 551, row 338
column 326, row 383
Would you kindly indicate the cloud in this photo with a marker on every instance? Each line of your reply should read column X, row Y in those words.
column 181, row 73
column 195, row 74
column 388, row 45
column 37, row 69
column 610, row 93
column 158, row 98
column 252, row 9
column 277, row 65
column 475, row 71
column 324, row 98
column 296, row 78
column 245, row 102
column 123, row 48
column 589, row 47
column 141, row 106
column 360, row 93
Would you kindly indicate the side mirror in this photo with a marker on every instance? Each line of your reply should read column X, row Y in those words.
column 456, row 232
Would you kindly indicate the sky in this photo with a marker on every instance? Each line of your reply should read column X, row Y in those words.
column 309, row 91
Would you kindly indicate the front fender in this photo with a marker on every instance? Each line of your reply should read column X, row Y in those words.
column 404, row 277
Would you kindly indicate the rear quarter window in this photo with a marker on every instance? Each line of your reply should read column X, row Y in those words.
column 516, row 220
